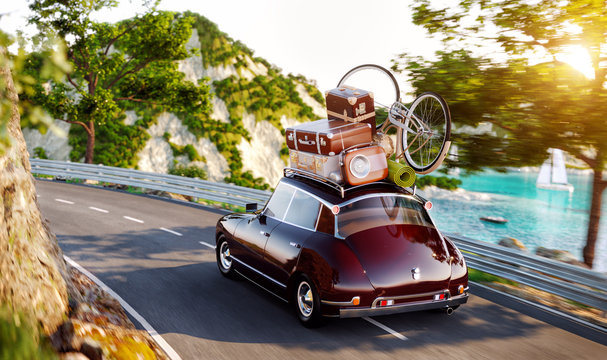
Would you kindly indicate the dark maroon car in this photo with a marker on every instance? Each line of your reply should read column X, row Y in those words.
column 333, row 252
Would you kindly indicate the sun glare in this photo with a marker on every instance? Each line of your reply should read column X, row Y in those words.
column 578, row 57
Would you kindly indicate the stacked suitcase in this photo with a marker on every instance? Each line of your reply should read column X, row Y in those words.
column 341, row 147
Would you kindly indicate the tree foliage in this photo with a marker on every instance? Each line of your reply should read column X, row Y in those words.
column 534, row 99
column 116, row 65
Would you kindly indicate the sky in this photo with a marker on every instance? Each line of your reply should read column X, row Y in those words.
column 320, row 39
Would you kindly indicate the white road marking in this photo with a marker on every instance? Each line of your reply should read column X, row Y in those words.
column 65, row 201
column 98, row 209
column 171, row 231
column 385, row 328
column 207, row 244
column 153, row 333
column 133, row 219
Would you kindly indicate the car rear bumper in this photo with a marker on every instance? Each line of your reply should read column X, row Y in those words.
column 401, row 308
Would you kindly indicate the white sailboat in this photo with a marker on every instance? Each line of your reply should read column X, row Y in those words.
column 552, row 173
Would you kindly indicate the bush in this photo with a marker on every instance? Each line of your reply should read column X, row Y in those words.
column 442, row 182
column 189, row 171
column 40, row 153
column 21, row 339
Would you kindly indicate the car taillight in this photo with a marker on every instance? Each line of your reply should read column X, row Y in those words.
column 386, row 302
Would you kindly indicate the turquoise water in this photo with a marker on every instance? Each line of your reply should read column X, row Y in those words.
column 537, row 217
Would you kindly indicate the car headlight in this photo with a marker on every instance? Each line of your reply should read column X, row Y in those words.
column 360, row 166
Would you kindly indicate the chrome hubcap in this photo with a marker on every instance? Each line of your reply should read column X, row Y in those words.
column 305, row 300
column 224, row 255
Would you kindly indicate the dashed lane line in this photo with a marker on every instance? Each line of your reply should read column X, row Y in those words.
column 153, row 333
column 65, row 201
column 98, row 209
column 207, row 245
column 133, row 219
column 374, row 322
column 171, row 231
column 385, row 328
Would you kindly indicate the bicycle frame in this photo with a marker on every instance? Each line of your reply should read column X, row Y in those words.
column 399, row 112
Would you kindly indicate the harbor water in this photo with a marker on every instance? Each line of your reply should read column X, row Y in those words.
column 537, row 217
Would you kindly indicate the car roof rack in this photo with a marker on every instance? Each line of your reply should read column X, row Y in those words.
column 312, row 176
column 289, row 172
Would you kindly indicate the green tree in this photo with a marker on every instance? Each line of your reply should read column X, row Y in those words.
column 116, row 65
column 536, row 100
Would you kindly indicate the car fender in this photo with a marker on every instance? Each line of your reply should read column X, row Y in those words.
column 227, row 224
column 334, row 269
column 459, row 269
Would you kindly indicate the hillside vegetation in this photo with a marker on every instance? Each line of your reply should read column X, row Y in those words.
column 252, row 86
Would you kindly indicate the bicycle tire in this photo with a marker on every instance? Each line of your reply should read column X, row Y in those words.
column 387, row 72
column 427, row 150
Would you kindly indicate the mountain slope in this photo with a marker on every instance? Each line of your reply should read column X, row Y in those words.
column 240, row 141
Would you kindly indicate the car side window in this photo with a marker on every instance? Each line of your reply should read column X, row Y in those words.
column 279, row 202
column 303, row 210
column 326, row 221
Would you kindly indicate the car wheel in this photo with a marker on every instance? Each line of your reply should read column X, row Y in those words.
column 224, row 260
column 307, row 303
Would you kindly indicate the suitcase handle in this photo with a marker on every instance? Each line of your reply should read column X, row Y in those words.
column 307, row 142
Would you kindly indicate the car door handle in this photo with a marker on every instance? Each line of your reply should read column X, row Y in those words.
column 295, row 245
column 264, row 233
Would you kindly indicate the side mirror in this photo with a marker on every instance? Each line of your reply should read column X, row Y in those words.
column 252, row 207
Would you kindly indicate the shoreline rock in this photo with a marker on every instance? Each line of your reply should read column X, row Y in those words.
column 513, row 243
column 559, row 255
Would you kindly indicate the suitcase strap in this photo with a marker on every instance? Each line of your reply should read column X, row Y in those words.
column 319, row 141
column 351, row 119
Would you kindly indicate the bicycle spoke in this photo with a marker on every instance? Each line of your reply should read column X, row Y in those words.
column 429, row 115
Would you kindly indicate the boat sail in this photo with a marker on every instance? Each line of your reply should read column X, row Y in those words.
column 552, row 173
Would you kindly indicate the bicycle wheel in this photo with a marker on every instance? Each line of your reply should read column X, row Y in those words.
column 380, row 81
column 426, row 144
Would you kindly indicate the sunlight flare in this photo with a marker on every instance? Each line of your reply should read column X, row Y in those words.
column 578, row 57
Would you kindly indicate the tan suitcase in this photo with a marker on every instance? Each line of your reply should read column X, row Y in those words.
column 327, row 166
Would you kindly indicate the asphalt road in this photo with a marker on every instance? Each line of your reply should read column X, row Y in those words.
column 148, row 250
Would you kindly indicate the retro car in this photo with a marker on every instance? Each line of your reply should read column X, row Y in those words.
column 366, row 250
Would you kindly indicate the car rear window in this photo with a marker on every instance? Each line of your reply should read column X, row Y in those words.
column 371, row 212
column 326, row 221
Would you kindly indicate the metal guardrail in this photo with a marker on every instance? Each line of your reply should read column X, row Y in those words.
column 226, row 193
column 568, row 281
column 571, row 282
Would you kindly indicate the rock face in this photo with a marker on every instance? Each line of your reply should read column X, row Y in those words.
column 32, row 270
column 157, row 155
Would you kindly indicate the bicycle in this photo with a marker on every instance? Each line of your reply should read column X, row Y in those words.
column 423, row 130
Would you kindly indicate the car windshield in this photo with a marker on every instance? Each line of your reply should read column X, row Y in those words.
column 371, row 212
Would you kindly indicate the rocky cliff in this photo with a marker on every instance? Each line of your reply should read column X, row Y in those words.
column 241, row 141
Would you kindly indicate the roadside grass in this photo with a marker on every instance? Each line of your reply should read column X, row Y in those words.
column 481, row 276
column 222, row 205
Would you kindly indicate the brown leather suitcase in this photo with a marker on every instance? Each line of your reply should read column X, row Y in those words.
column 351, row 105
column 365, row 165
column 327, row 137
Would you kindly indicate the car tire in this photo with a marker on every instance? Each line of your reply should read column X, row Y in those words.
column 306, row 303
column 224, row 261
